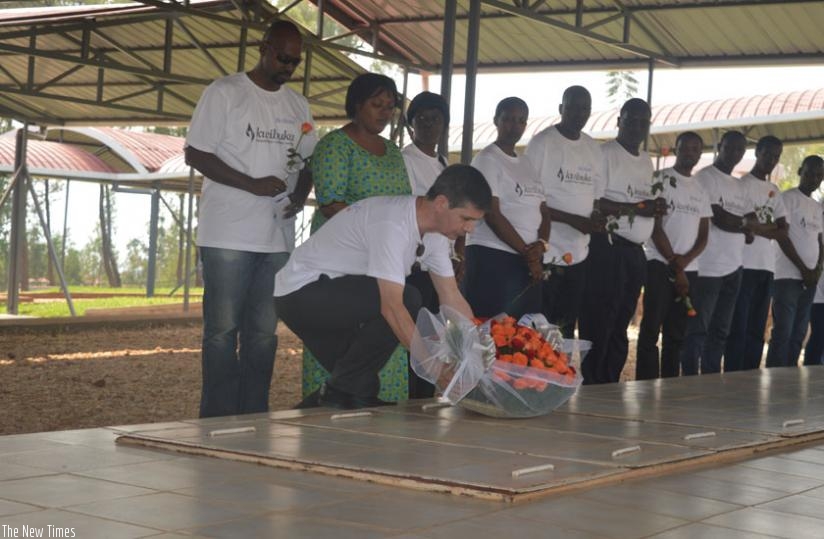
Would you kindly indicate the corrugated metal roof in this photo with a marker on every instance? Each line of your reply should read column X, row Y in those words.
column 563, row 33
column 107, row 65
column 43, row 155
column 794, row 117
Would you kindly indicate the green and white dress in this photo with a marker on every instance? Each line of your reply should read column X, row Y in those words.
column 343, row 171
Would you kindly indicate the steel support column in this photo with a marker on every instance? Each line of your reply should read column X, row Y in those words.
column 471, row 75
column 187, row 263
column 152, row 262
column 447, row 61
column 18, row 221
column 650, row 72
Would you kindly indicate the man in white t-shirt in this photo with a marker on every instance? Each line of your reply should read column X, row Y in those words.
column 714, row 290
column 745, row 344
column 427, row 119
column 250, row 137
column 797, row 267
column 677, row 240
column 343, row 292
column 617, row 265
column 570, row 165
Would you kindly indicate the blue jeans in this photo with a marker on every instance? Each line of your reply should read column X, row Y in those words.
column 239, row 321
column 791, row 314
column 745, row 344
column 814, row 352
column 714, row 301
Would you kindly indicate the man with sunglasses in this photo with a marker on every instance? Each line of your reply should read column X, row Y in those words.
column 250, row 137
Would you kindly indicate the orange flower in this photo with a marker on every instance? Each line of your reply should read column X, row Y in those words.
column 519, row 359
column 306, row 128
column 567, row 258
column 500, row 340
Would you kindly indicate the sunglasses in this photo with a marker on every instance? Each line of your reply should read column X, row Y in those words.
column 285, row 59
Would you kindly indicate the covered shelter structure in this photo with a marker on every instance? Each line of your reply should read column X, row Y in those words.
column 146, row 63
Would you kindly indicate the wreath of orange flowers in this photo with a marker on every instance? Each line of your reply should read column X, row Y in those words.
column 525, row 347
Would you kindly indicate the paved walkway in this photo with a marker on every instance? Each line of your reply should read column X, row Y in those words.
column 721, row 486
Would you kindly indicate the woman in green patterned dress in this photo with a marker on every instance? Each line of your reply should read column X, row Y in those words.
column 350, row 164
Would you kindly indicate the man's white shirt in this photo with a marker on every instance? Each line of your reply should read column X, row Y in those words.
column 805, row 220
column 760, row 254
column 377, row 237
column 628, row 179
column 251, row 130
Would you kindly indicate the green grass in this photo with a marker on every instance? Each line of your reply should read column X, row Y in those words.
column 59, row 307
column 159, row 290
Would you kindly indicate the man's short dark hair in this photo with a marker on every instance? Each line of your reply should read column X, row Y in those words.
column 768, row 141
column 365, row 86
column 510, row 103
column 280, row 27
column 688, row 134
column 635, row 104
column 732, row 134
column 810, row 160
column 426, row 101
column 462, row 185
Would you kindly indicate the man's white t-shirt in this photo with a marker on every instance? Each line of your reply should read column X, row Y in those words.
column 687, row 204
column 628, row 179
column 376, row 236
column 515, row 183
column 760, row 254
column 725, row 250
column 572, row 173
column 422, row 169
column 251, row 130
column 805, row 220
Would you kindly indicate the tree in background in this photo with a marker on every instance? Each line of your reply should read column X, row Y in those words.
column 108, row 256
column 791, row 159
column 621, row 85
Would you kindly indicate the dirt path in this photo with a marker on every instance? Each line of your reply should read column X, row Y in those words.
column 92, row 378
column 99, row 377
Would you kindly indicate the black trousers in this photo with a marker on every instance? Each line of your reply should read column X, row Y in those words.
column 615, row 274
column 340, row 321
column 662, row 314
column 563, row 293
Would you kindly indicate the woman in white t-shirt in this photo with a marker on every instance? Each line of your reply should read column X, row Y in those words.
column 505, row 252
column 427, row 119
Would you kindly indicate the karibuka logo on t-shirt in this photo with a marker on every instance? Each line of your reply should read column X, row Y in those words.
column 733, row 205
column 693, row 207
column 582, row 176
column 529, row 190
column 268, row 136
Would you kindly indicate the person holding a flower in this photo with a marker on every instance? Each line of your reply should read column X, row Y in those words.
column 617, row 265
column 715, row 287
column 250, row 135
column 798, row 265
column 570, row 165
column 348, row 165
column 504, row 256
column 745, row 345
column 672, row 252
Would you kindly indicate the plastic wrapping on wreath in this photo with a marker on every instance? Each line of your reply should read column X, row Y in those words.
column 449, row 351
column 509, row 390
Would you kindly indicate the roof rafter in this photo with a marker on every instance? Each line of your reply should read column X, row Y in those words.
column 661, row 56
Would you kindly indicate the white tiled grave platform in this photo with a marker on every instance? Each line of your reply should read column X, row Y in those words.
column 672, row 424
